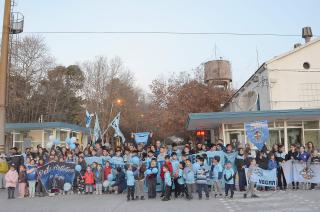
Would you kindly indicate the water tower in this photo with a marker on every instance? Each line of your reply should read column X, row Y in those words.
column 218, row 73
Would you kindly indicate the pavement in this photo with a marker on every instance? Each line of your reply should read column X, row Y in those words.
column 278, row 201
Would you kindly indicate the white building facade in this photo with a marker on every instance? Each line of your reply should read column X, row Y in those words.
column 284, row 90
column 289, row 81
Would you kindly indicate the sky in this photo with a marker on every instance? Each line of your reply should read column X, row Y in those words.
column 151, row 56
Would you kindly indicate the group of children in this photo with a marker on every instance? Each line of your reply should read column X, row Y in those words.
column 173, row 170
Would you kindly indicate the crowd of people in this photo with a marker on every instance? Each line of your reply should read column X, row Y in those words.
column 178, row 174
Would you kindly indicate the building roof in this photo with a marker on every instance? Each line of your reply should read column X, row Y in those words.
column 197, row 121
column 278, row 57
column 264, row 65
column 44, row 125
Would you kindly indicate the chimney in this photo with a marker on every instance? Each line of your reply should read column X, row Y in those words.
column 307, row 34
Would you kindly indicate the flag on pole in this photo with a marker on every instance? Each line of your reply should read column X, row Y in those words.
column 115, row 125
column 87, row 119
column 97, row 129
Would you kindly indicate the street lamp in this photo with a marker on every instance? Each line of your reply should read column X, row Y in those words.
column 139, row 122
column 119, row 101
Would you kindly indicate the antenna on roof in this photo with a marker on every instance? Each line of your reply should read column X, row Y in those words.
column 257, row 54
column 215, row 51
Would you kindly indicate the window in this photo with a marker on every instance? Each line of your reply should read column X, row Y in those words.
column 270, row 124
column 234, row 126
column 275, row 137
column 306, row 65
column 313, row 136
column 279, row 124
column 311, row 125
column 294, row 123
column 294, row 136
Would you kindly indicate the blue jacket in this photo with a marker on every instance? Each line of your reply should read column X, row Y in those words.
column 180, row 177
column 98, row 176
column 151, row 172
column 303, row 156
column 272, row 164
column 130, row 178
column 216, row 172
column 195, row 167
column 175, row 165
column 33, row 175
column 188, row 175
column 167, row 179
column 228, row 176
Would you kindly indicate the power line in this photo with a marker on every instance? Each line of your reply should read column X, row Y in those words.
column 166, row 33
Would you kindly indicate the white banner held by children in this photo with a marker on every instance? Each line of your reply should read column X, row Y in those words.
column 265, row 177
column 295, row 171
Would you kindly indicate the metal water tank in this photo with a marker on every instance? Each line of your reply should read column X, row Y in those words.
column 16, row 23
column 218, row 72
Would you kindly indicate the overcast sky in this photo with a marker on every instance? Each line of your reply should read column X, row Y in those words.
column 150, row 56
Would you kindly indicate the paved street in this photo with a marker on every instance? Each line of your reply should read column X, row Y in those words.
column 299, row 201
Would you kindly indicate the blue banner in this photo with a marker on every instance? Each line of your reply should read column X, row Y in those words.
column 102, row 160
column 56, row 174
column 257, row 133
column 91, row 160
column 141, row 137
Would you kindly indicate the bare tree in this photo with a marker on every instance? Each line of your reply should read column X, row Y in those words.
column 29, row 62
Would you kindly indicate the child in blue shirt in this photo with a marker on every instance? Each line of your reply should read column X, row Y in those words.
column 168, row 183
column 252, row 179
column 181, row 187
column 188, row 175
column 98, row 178
column 151, row 177
column 175, row 167
column 202, row 177
column 32, row 177
column 272, row 163
column 229, row 179
column 303, row 156
column 130, row 183
column 217, row 176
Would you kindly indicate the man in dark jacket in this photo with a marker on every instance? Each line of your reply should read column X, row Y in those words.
column 240, row 163
column 15, row 158
column 293, row 155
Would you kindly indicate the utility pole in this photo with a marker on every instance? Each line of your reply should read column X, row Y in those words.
column 3, row 70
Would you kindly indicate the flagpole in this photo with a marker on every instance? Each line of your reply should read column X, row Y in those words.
column 90, row 134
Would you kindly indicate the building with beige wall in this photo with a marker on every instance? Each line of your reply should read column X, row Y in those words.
column 24, row 135
column 288, row 81
column 285, row 90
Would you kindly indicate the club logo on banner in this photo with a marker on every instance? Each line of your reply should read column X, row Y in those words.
column 257, row 133
column 295, row 171
column 264, row 177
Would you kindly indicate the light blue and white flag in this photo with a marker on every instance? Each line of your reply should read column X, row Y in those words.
column 257, row 133
column 141, row 137
column 115, row 124
column 97, row 129
column 87, row 119
column 295, row 171
column 264, row 177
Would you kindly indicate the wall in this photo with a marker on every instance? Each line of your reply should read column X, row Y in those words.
column 292, row 86
column 260, row 86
